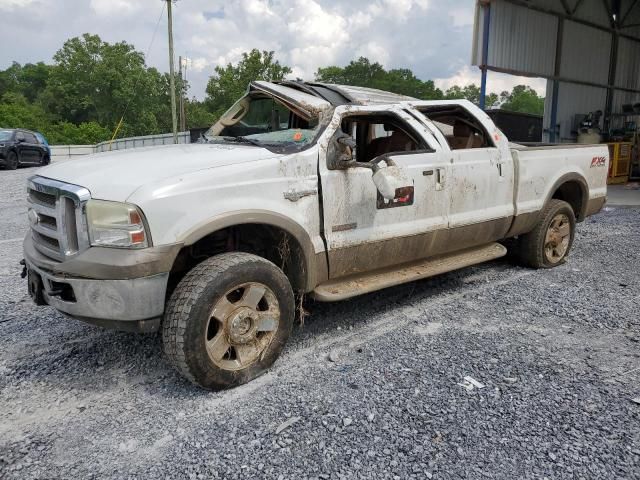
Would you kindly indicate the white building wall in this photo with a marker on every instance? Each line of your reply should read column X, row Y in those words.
column 523, row 42
column 585, row 53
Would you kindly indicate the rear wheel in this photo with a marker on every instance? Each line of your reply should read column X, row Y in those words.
column 45, row 160
column 12, row 161
column 228, row 320
column 548, row 245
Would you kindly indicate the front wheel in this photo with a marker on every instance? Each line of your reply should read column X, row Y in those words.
column 228, row 320
column 549, row 243
column 12, row 160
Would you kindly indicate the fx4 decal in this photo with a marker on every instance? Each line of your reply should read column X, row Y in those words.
column 598, row 162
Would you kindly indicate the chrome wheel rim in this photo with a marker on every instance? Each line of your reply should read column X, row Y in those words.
column 242, row 325
column 557, row 239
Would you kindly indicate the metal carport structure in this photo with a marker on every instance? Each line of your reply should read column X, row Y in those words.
column 588, row 50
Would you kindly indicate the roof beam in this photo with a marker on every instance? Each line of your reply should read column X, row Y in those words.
column 567, row 9
column 634, row 4
column 609, row 11
column 563, row 79
column 536, row 8
column 576, row 7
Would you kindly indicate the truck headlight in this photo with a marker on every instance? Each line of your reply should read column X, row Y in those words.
column 115, row 224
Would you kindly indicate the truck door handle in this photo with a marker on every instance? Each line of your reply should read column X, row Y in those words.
column 440, row 178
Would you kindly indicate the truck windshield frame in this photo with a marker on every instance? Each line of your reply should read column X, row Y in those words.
column 267, row 122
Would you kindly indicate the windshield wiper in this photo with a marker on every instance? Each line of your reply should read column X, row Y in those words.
column 257, row 143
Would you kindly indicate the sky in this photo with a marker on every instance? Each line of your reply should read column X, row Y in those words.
column 431, row 37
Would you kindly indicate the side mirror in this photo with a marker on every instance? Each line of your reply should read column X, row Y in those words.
column 389, row 181
column 21, row 139
column 340, row 151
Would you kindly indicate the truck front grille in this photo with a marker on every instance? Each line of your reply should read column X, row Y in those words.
column 56, row 216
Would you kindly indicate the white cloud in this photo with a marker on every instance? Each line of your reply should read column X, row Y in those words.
column 375, row 52
column 462, row 17
column 232, row 56
column 198, row 64
column 257, row 7
column 432, row 38
column 310, row 24
column 116, row 7
column 14, row 4
column 496, row 82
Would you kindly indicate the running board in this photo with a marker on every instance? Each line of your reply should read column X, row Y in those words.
column 354, row 285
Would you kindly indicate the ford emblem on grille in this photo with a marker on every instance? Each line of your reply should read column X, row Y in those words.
column 34, row 218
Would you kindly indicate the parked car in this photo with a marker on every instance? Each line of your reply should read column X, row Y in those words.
column 41, row 138
column 22, row 147
column 301, row 188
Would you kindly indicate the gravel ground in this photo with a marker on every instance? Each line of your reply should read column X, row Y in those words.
column 369, row 388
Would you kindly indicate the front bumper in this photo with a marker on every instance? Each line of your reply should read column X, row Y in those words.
column 131, row 302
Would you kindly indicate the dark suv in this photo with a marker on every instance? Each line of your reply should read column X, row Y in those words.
column 22, row 147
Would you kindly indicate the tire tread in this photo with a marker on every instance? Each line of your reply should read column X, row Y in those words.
column 184, row 298
column 529, row 245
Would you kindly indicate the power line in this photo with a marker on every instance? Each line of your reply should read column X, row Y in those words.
column 135, row 85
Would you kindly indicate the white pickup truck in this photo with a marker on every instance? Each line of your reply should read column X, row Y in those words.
column 300, row 188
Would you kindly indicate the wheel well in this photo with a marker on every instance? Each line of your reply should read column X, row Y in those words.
column 572, row 193
column 272, row 243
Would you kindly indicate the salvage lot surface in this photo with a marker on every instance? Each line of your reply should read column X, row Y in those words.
column 370, row 387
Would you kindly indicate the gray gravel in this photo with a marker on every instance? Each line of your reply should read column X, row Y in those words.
column 558, row 352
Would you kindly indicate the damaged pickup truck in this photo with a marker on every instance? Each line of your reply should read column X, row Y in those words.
column 300, row 188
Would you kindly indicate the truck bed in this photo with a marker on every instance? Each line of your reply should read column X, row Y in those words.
column 548, row 146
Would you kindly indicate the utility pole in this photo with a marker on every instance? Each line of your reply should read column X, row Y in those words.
column 183, row 122
column 172, row 80
column 184, row 102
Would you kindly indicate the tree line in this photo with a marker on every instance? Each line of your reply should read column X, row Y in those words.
column 91, row 85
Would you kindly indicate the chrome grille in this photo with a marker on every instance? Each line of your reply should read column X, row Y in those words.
column 56, row 216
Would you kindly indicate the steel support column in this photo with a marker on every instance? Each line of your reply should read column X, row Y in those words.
column 485, row 54
column 613, row 69
column 553, row 120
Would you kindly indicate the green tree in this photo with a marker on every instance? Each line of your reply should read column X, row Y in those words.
column 29, row 80
column 197, row 114
column 95, row 81
column 17, row 112
column 229, row 83
column 472, row 93
column 522, row 99
column 363, row 73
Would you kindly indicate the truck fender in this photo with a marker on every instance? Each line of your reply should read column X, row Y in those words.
column 315, row 268
column 581, row 208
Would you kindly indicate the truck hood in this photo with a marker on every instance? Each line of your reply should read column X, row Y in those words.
column 116, row 175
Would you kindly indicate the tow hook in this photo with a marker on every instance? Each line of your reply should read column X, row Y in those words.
column 24, row 269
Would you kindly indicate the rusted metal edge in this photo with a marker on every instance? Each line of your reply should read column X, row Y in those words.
column 353, row 286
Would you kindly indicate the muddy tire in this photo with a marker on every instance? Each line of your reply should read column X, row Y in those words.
column 12, row 161
column 228, row 320
column 550, row 242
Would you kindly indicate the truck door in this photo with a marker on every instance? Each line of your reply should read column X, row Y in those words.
column 363, row 230
column 482, row 173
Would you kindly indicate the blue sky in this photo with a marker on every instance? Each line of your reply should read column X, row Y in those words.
column 431, row 37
